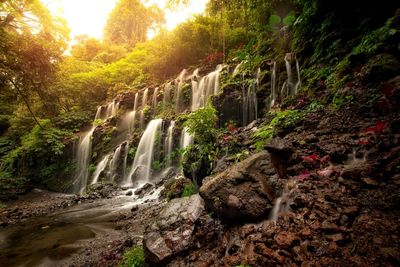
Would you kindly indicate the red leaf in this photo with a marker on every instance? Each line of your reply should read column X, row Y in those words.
column 311, row 158
column 362, row 142
column 377, row 128
column 327, row 172
column 303, row 175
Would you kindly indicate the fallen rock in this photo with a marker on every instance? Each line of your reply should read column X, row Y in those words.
column 171, row 232
column 243, row 192
column 285, row 239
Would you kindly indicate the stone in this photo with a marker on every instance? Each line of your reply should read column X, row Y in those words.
column 129, row 193
column 144, row 189
column 243, row 192
column 285, row 239
column 379, row 68
column 281, row 151
column 172, row 230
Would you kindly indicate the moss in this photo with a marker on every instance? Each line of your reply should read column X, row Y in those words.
column 133, row 257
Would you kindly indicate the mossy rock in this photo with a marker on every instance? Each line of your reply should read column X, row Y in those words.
column 380, row 68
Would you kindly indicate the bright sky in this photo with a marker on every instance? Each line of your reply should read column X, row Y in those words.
column 89, row 16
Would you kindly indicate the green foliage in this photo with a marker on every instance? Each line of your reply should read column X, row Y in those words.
column 201, row 124
column 340, row 100
column 282, row 120
column 188, row 190
column 132, row 152
column 376, row 39
column 72, row 120
column 241, row 155
column 133, row 257
column 157, row 165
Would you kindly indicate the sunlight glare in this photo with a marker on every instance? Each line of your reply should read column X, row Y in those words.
column 89, row 16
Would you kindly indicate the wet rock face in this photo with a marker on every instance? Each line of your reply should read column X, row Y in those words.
column 243, row 192
column 171, row 232
column 228, row 105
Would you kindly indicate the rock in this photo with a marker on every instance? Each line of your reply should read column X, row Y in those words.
column 144, row 189
column 243, row 192
column 134, row 208
column 129, row 193
column 379, row 68
column 172, row 231
column 285, row 239
column 281, row 151
column 355, row 170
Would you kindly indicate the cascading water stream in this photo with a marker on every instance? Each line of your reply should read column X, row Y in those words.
column 167, row 93
column 249, row 99
column 186, row 139
column 125, row 162
column 180, row 80
column 144, row 103
column 83, row 158
column 100, row 168
column 155, row 99
column 145, row 153
column 207, row 86
column 115, row 162
column 136, row 102
column 112, row 109
column 289, row 87
column 169, row 143
column 274, row 94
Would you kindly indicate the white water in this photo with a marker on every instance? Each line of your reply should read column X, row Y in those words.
column 154, row 100
column 167, row 94
column 168, row 143
column 290, row 87
column 207, row 86
column 145, row 153
column 83, row 158
column 98, row 113
column 186, row 139
column 112, row 109
column 114, row 163
column 180, row 80
column 274, row 94
column 249, row 99
column 125, row 162
column 144, row 103
column 130, row 120
column 136, row 102
column 237, row 69
column 100, row 168
column 281, row 204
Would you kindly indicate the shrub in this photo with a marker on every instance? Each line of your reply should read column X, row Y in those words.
column 133, row 257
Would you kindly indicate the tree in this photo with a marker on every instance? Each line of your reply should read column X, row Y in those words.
column 129, row 22
column 31, row 44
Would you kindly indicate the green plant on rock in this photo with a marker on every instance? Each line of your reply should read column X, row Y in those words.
column 98, row 122
column 188, row 190
column 133, row 257
column 283, row 120
column 201, row 124
column 340, row 100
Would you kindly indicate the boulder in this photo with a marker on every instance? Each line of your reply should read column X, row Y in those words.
column 380, row 68
column 243, row 192
column 172, row 231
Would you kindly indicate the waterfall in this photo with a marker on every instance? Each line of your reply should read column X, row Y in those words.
column 145, row 153
column 136, row 102
column 98, row 113
column 180, row 80
column 115, row 162
column 167, row 93
column 144, row 103
column 289, row 87
column 298, row 84
column 154, row 100
column 186, row 139
column 145, row 97
column 249, row 99
column 237, row 69
column 208, row 85
column 273, row 84
column 112, row 109
column 168, row 143
column 281, row 204
column 130, row 121
column 100, row 168
column 125, row 162
column 83, row 159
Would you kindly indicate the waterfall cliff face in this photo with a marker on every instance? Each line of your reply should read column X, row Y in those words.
column 83, row 161
column 141, row 167
column 161, row 138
